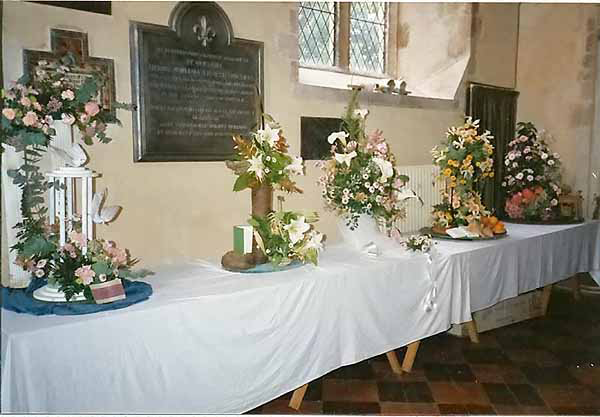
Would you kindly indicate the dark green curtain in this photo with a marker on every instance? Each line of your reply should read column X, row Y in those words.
column 496, row 108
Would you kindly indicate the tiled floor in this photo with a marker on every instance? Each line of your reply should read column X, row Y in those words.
column 542, row 366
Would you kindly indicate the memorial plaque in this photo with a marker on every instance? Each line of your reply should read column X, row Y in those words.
column 194, row 84
column 71, row 48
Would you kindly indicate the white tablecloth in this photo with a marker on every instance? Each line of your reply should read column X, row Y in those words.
column 530, row 257
column 215, row 342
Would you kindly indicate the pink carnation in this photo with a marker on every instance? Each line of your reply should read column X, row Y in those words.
column 86, row 274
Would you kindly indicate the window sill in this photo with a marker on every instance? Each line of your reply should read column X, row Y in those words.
column 334, row 85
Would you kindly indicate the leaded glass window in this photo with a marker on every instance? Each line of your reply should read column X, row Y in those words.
column 317, row 22
column 367, row 37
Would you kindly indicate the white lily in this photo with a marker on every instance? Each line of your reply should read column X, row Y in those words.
column 316, row 241
column 296, row 229
column 405, row 193
column 256, row 166
column 296, row 167
column 386, row 167
column 362, row 113
column 268, row 134
column 341, row 136
column 345, row 158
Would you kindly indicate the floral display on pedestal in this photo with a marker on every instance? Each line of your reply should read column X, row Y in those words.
column 64, row 252
column 361, row 178
column 263, row 163
column 465, row 162
column 533, row 178
column 287, row 236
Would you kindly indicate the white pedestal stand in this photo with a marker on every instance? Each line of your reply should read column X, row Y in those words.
column 62, row 204
column 54, row 295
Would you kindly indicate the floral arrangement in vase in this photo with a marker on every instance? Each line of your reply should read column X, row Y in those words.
column 465, row 162
column 361, row 178
column 532, row 176
column 419, row 243
column 263, row 159
column 287, row 236
column 32, row 106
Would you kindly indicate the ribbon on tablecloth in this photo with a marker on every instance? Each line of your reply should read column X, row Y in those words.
column 429, row 303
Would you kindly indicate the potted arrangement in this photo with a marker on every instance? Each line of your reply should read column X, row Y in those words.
column 287, row 236
column 360, row 182
column 533, row 178
column 465, row 162
column 262, row 164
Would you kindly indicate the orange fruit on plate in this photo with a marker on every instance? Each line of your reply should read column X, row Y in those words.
column 499, row 228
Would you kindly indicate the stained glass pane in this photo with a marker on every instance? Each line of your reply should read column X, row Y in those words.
column 317, row 33
column 367, row 37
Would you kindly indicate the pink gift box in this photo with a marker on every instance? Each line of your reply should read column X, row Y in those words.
column 108, row 291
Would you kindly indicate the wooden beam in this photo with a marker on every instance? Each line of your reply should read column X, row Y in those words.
column 343, row 36
column 297, row 397
column 546, row 293
column 393, row 360
column 472, row 331
column 409, row 356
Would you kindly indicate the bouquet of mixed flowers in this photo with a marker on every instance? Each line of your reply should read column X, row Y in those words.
column 465, row 161
column 285, row 236
column 419, row 243
column 31, row 106
column 361, row 177
column 532, row 176
column 71, row 266
column 263, row 159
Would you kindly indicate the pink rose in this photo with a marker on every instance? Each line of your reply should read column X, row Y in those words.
column 84, row 118
column 30, row 119
column 9, row 113
column 92, row 108
column 25, row 101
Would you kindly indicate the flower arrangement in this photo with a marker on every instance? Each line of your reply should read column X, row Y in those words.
column 31, row 106
column 361, row 177
column 532, row 176
column 264, row 159
column 464, row 160
column 285, row 236
column 71, row 267
column 419, row 243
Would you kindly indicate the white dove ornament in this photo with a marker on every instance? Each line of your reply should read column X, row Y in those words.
column 101, row 214
column 74, row 157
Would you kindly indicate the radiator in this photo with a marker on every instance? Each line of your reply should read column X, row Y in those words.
column 424, row 183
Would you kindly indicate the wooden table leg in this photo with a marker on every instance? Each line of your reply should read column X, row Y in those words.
column 546, row 292
column 297, row 397
column 393, row 360
column 409, row 356
column 472, row 330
